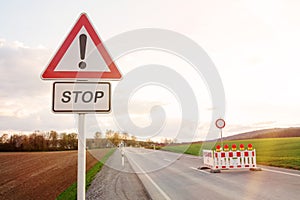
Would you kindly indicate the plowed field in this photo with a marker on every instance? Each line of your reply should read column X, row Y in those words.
column 40, row 175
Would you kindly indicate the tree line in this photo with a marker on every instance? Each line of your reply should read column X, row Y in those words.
column 116, row 139
column 52, row 141
column 37, row 141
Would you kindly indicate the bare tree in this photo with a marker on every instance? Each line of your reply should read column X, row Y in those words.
column 109, row 134
column 133, row 140
column 167, row 141
column 97, row 135
column 73, row 142
column 116, row 139
column 125, row 136
column 63, row 142
column 53, row 139
column 4, row 138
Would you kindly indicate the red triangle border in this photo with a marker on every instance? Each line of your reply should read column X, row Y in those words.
column 83, row 20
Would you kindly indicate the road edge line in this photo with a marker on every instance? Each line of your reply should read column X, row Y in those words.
column 143, row 173
column 280, row 172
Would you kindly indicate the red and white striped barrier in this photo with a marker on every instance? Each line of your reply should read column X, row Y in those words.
column 234, row 159
column 230, row 159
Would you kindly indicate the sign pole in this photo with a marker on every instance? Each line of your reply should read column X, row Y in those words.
column 221, row 139
column 81, row 157
column 220, row 123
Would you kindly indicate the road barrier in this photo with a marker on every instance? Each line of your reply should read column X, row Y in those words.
column 230, row 159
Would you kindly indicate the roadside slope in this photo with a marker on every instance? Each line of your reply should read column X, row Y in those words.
column 115, row 181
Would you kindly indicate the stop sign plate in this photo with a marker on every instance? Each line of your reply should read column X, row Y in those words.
column 81, row 97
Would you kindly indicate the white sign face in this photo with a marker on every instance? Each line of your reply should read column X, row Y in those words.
column 71, row 59
column 81, row 97
column 220, row 123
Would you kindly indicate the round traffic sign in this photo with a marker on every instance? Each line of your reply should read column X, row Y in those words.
column 220, row 123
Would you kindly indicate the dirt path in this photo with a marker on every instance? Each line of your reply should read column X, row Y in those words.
column 39, row 175
column 116, row 182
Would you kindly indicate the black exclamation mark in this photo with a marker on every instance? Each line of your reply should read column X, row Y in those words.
column 82, row 45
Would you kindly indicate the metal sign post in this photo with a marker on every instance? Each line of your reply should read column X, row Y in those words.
column 220, row 123
column 81, row 157
column 221, row 138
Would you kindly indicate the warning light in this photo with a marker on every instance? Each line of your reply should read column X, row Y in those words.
column 226, row 147
column 242, row 147
column 233, row 147
column 218, row 148
column 250, row 146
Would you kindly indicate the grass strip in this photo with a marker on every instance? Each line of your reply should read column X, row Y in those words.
column 277, row 152
column 71, row 192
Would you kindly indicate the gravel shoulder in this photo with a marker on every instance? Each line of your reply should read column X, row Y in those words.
column 115, row 181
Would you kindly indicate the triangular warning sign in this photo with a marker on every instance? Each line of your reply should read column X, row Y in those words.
column 82, row 56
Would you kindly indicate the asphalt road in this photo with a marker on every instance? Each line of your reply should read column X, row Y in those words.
column 168, row 175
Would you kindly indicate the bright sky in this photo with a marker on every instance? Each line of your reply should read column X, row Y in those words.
column 254, row 45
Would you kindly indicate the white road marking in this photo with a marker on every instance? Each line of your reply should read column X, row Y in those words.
column 280, row 172
column 199, row 170
column 168, row 160
column 194, row 157
column 150, row 179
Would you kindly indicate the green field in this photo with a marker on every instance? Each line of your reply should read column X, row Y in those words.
column 279, row 152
